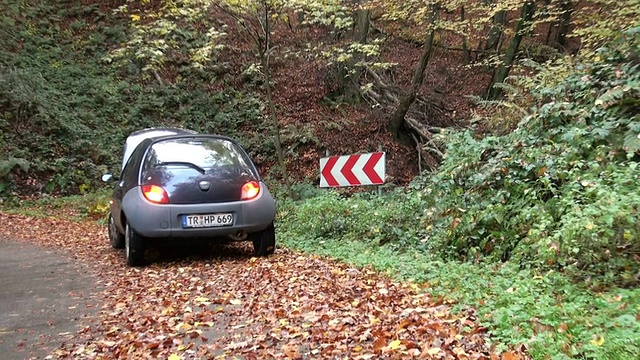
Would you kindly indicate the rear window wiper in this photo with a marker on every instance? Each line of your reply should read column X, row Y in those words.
column 184, row 163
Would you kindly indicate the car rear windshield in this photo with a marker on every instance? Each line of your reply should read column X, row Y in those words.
column 198, row 153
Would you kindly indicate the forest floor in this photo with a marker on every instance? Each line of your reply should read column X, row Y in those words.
column 302, row 92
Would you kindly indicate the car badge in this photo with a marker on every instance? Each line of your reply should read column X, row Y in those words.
column 204, row 185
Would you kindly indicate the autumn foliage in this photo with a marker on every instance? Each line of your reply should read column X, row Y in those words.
column 221, row 301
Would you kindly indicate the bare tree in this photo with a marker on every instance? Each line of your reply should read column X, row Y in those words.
column 522, row 28
column 397, row 119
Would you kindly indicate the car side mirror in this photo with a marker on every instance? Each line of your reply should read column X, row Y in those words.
column 108, row 178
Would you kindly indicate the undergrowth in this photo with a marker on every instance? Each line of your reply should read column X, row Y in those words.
column 538, row 229
column 555, row 316
column 92, row 206
column 67, row 102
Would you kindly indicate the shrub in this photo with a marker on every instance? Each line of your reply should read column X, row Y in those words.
column 65, row 111
column 559, row 190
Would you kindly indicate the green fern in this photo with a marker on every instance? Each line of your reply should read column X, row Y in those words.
column 631, row 142
column 6, row 166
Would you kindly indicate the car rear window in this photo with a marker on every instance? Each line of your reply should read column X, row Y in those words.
column 202, row 152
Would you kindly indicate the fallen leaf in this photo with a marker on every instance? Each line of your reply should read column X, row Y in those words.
column 151, row 312
column 291, row 351
column 404, row 324
column 597, row 340
column 379, row 344
column 395, row 344
column 203, row 300
column 433, row 351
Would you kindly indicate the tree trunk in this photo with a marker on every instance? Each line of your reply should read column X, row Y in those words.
column 566, row 7
column 265, row 51
column 547, row 4
column 495, row 34
column 347, row 75
column 526, row 15
column 363, row 21
column 466, row 54
column 397, row 119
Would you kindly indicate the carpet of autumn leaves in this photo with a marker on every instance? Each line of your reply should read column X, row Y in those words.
column 217, row 301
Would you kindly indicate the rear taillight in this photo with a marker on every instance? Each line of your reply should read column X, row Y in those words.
column 155, row 194
column 250, row 190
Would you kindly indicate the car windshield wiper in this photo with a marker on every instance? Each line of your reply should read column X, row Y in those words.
column 184, row 163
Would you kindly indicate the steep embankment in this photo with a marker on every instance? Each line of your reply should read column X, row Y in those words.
column 77, row 79
column 67, row 108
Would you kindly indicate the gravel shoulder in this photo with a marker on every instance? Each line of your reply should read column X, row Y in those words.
column 43, row 298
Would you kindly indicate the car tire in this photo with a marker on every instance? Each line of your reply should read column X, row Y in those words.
column 133, row 248
column 264, row 242
column 115, row 238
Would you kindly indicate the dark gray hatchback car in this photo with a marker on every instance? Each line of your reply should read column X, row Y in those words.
column 178, row 184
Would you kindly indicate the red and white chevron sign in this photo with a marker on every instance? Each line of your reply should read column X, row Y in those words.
column 352, row 170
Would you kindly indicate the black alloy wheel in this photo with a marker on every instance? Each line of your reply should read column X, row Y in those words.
column 264, row 242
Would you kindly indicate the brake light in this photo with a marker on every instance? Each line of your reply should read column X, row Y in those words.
column 155, row 194
column 250, row 190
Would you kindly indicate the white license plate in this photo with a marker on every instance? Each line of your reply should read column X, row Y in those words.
column 206, row 220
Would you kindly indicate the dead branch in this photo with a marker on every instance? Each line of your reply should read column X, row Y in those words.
column 372, row 97
column 158, row 78
column 426, row 104
column 388, row 92
column 453, row 48
column 419, row 151
column 386, row 95
column 418, row 128
column 433, row 147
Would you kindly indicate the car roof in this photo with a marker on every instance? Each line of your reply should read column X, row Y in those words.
column 135, row 138
column 195, row 136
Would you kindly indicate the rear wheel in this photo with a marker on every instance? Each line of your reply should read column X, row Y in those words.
column 133, row 247
column 264, row 242
column 115, row 238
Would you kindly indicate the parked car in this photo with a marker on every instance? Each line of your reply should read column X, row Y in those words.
column 178, row 184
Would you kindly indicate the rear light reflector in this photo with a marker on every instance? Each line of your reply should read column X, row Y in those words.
column 155, row 194
column 250, row 190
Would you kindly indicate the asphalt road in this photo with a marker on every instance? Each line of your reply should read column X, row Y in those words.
column 43, row 298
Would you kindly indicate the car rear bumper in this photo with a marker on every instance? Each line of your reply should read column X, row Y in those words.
column 161, row 221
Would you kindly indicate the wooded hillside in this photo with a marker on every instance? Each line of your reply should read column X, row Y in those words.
column 511, row 127
column 344, row 76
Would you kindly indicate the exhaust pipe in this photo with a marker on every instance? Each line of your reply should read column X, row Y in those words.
column 239, row 236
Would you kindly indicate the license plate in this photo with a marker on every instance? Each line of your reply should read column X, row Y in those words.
column 206, row 220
